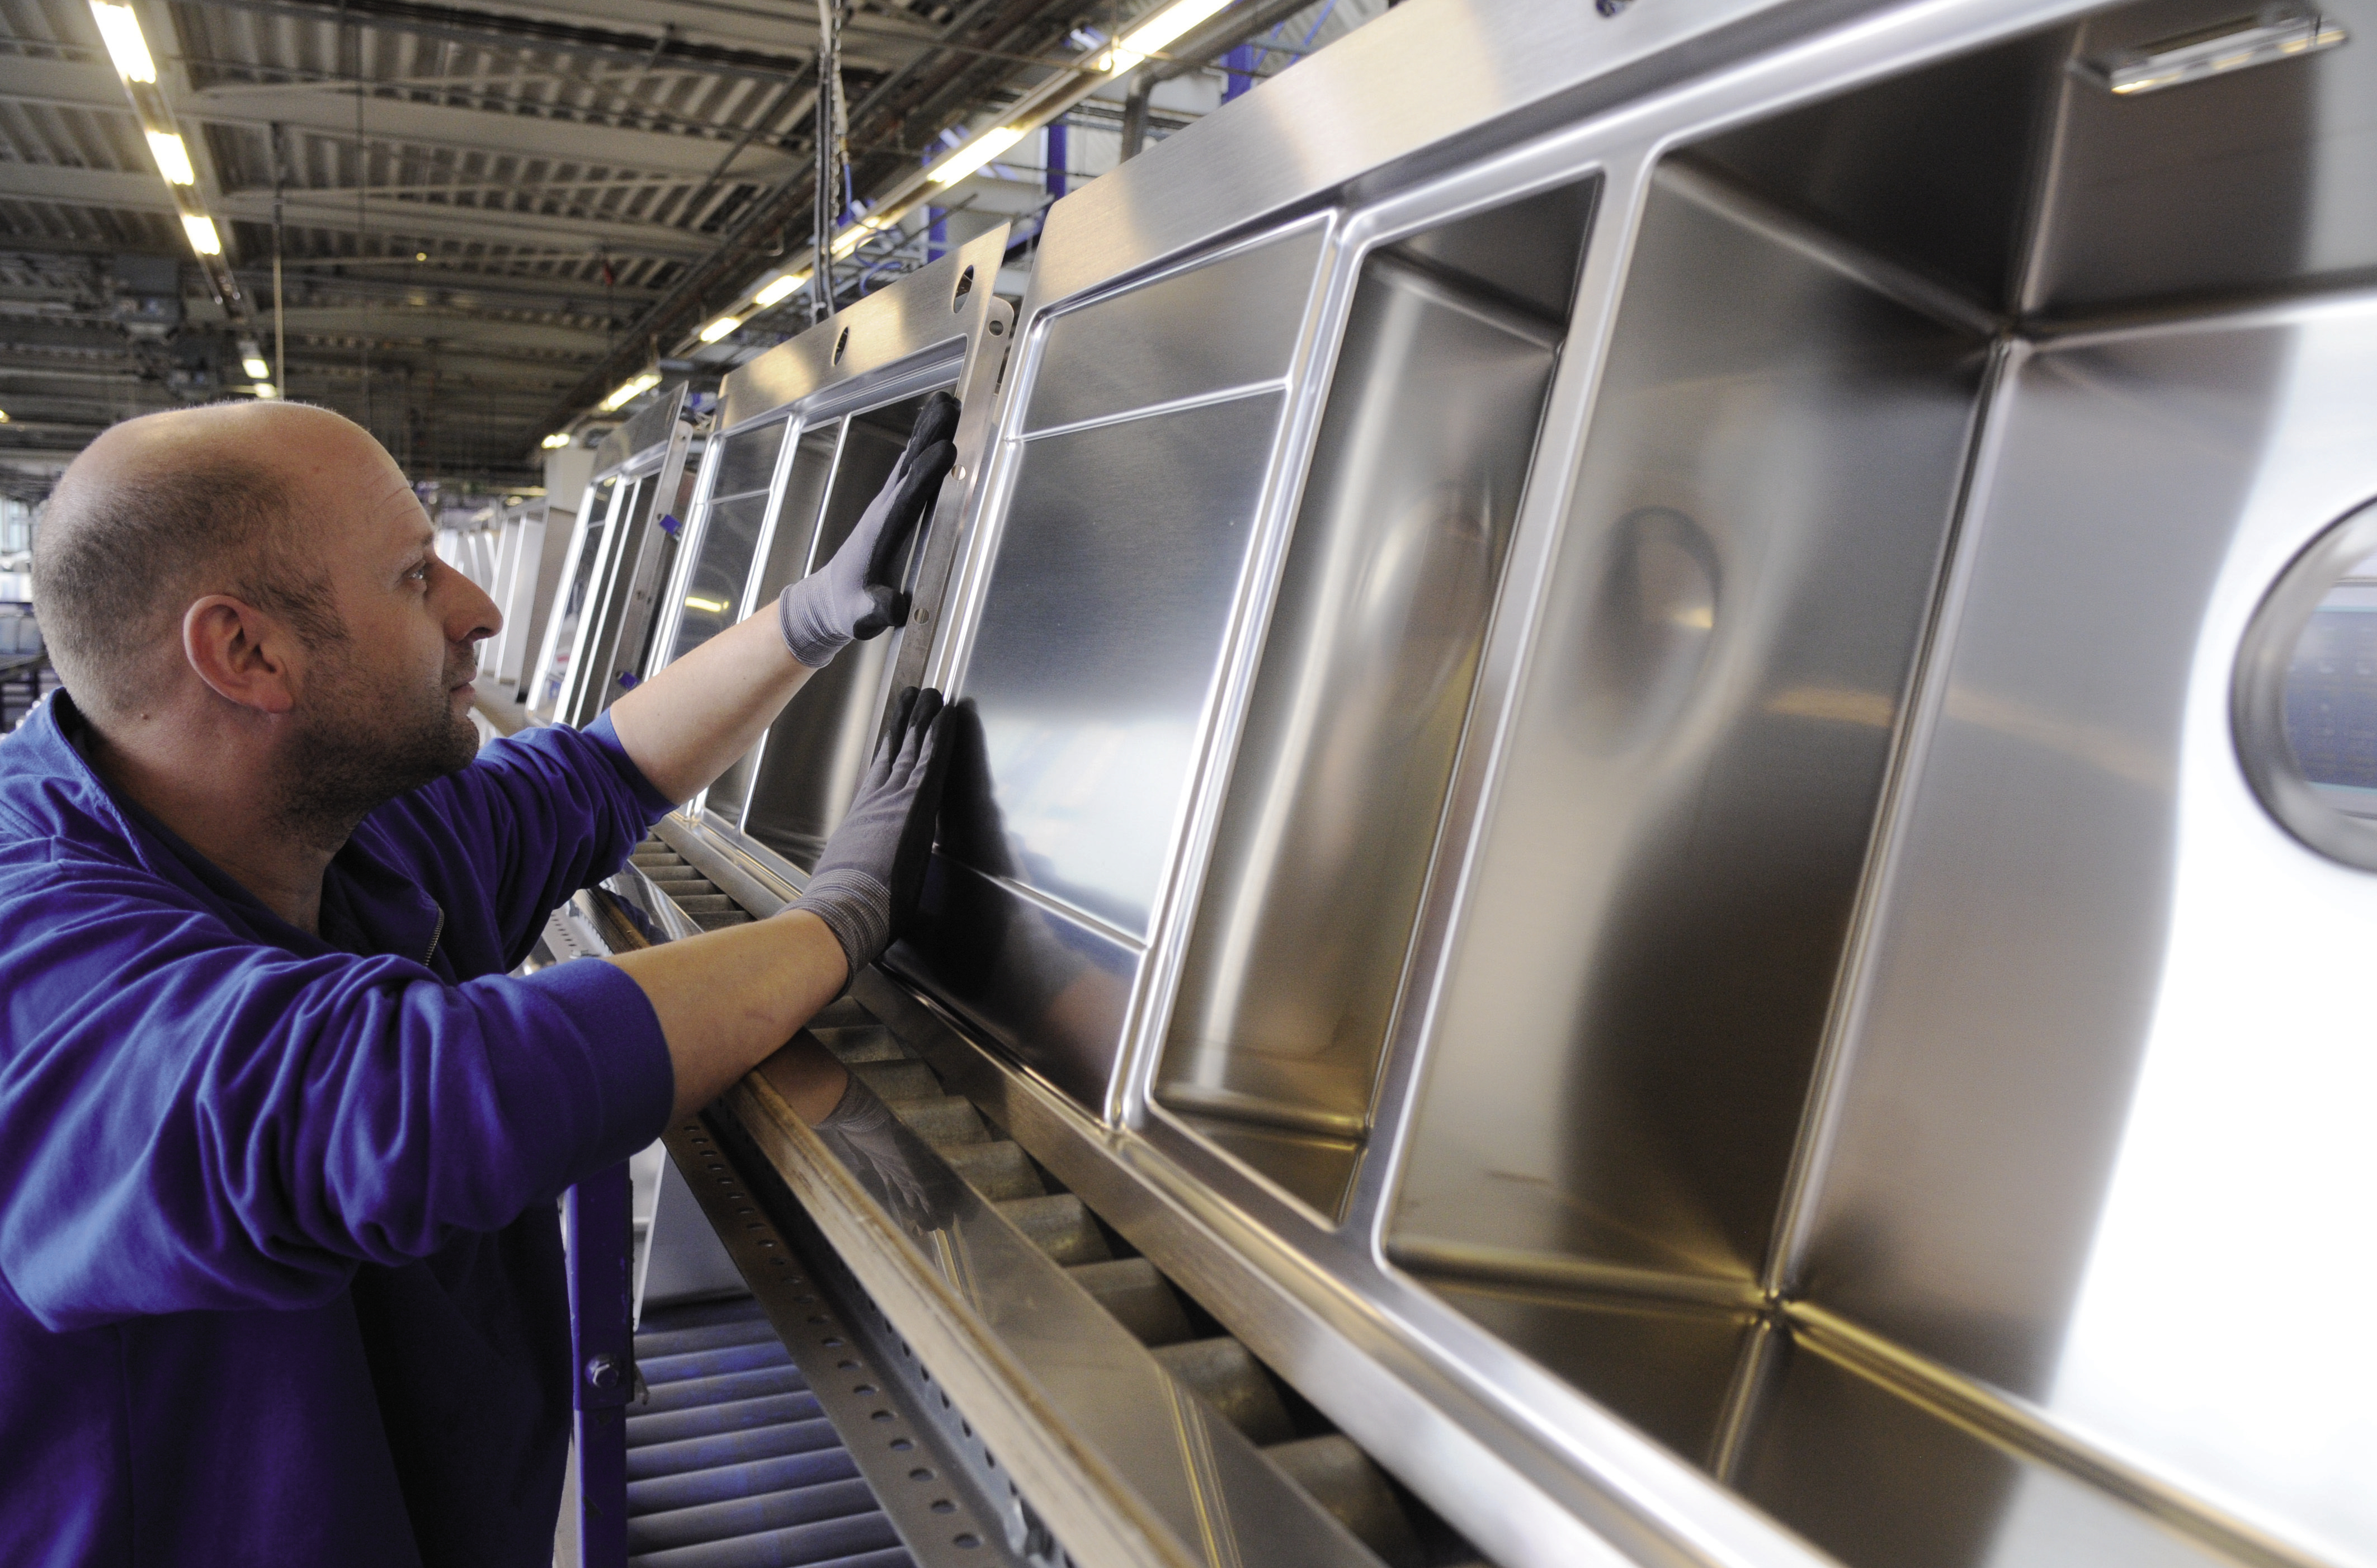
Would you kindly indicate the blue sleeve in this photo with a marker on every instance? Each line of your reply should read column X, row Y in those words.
column 192, row 1122
column 537, row 816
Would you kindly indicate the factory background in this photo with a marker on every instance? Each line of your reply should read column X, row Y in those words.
column 1669, row 857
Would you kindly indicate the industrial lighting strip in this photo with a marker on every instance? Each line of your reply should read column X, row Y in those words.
column 1065, row 88
column 136, row 67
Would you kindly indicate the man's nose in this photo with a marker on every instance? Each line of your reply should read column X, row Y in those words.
column 470, row 616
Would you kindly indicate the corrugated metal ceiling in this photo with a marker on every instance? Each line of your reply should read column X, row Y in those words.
column 480, row 210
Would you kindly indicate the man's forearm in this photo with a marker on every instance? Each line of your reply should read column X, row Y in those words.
column 688, row 724
column 728, row 999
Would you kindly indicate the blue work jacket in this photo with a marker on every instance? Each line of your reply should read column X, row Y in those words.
column 280, row 1275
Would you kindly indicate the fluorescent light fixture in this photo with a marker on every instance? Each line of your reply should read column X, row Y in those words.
column 1156, row 31
column 256, row 369
column 722, row 328
column 120, row 29
column 778, row 288
column 202, row 230
column 172, row 157
column 556, row 441
column 4, row 416
column 985, row 146
column 266, row 390
column 707, row 606
column 857, row 234
column 631, row 390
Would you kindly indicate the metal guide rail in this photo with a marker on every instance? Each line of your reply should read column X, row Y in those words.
column 1011, row 1377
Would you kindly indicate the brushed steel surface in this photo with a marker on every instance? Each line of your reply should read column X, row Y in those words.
column 1096, row 649
column 2267, row 177
column 2109, row 1016
column 570, row 589
column 571, row 624
column 1118, row 1457
column 1174, row 329
column 1391, row 95
column 636, row 611
column 724, row 537
column 1325, row 839
column 1047, row 984
column 1365, row 1349
column 747, row 460
column 916, row 314
column 781, row 556
column 813, row 755
column 1661, row 901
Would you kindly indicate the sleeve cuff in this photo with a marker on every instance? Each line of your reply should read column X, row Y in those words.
column 630, row 1081
column 604, row 734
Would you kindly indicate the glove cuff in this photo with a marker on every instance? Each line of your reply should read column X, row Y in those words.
column 807, row 636
column 855, row 908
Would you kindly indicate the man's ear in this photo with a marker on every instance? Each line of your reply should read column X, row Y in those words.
column 242, row 654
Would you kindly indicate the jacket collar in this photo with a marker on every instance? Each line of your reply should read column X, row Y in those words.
column 369, row 905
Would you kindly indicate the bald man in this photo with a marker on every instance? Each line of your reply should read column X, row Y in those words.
column 280, row 1280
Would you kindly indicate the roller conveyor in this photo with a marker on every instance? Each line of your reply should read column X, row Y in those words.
column 731, row 1459
column 729, row 1349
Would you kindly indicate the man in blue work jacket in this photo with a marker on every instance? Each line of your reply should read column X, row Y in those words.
column 280, row 1278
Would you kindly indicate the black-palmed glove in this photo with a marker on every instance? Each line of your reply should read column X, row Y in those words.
column 854, row 596
column 867, row 879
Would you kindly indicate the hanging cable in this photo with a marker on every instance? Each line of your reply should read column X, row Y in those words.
column 829, row 134
column 279, row 308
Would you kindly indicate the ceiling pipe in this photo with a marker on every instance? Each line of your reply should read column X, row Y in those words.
column 1195, row 57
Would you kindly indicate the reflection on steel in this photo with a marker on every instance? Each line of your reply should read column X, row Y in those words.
column 2306, row 695
column 616, row 562
column 1397, row 551
column 1123, row 1465
column 1689, row 790
column 615, row 638
column 2263, row 38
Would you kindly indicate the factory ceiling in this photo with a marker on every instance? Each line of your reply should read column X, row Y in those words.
column 483, row 216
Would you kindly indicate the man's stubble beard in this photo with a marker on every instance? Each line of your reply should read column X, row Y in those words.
column 357, row 748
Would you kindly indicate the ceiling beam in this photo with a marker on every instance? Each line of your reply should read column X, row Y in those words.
column 329, row 110
column 422, row 220
column 690, row 39
column 448, row 325
column 719, row 40
column 386, row 216
column 85, row 187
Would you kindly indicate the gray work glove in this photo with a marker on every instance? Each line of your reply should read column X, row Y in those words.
column 867, row 879
column 854, row 595
column 863, row 1135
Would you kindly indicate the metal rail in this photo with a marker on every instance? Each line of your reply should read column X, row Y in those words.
column 1103, row 1421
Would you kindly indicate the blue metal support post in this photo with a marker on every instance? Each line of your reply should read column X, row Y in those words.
column 598, row 1218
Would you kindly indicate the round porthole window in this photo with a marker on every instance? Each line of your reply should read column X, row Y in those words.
column 2306, row 695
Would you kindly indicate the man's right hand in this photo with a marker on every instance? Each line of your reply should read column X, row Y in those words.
column 854, row 594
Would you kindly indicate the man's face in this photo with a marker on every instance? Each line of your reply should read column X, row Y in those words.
column 386, row 707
